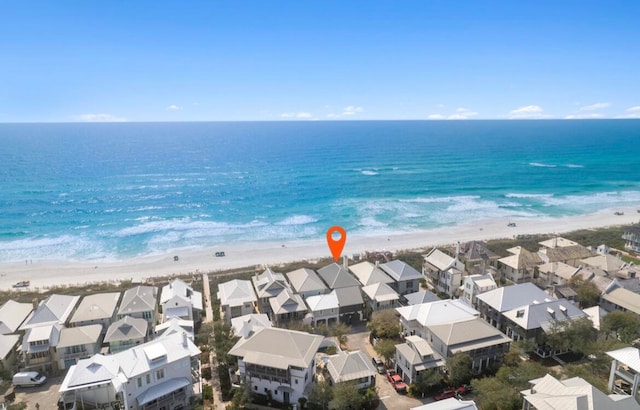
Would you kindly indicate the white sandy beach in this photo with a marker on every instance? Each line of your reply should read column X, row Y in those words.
column 46, row 273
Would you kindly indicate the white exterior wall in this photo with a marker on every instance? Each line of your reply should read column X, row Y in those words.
column 245, row 309
column 261, row 386
column 177, row 302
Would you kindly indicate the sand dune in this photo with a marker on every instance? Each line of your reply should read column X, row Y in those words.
column 44, row 273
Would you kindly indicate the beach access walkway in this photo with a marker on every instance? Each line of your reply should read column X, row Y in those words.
column 215, row 380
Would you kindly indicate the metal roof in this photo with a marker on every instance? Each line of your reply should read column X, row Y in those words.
column 236, row 293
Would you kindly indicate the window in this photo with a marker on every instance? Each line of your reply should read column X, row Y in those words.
column 148, row 378
column 296, row 381
column 146, row 315
column 159, row 374
column 139, row 381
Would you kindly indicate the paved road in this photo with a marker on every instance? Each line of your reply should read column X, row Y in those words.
column 46, row 396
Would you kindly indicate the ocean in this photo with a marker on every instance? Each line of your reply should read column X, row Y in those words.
column 118, row 190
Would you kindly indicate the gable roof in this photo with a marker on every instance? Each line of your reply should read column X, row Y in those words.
column 439, row 259
column 544, row 314
column 350, row 296
column 627, row 355
column 510, row 297
column 287, row 302
column 559, row 269
column 53, row 310
column 470, row 334
column 81, row 335
column 521, row 259
column 484, row 282
column 175, row 325
column 305, row 280
column 380, row 292
column 12, row 314
column 337, row 276
column 323, row 302
column 422, row 296
column 557, row 242
column 595, row 314
column 346, row 366
column 278, row 348
column 138, row 299
column 7, row 344
column 127, row 328
column 48, row 333
column 179, row 288
column 565, row 253
column 368, row 273
column 269, row 283
column 244, row 326
column 442, row 311
column 96, row 307
column 608, row 263
column 476, row 251
column 624, row 298
column 236, row 293
column 400, row 271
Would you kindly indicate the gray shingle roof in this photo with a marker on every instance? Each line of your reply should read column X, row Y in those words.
column 350, row 296
column 423, row 296
column 336, row 276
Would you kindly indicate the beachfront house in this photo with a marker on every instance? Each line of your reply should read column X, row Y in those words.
column 555, row 273
column 245, row 326
column 306, row 282
column 355, row 367
column 631, row 238
column 287, row 306
column 237, row 298
column 12, row 315
column 140, row 302
column 442, row 272
column 97, row 309
column 337, row 276
column 563, row 250
column 521, row 266
column 607, row 263
column 416, row 298
column 414, row 356
column 368, row 273
column 125, row 333
column 324, row 309
column 76, row 343
column 417, row 319
column 405, row 278
column 494, row 303
column 175, row 325
column 380, row 296
column 267, row 285
column 475, row 285
column 350, row 304
column 624, row 377
column 277, row 363
column 42, row 332
column 160, row 374
column 178, row 299
column 476, row 256
column 549, row 393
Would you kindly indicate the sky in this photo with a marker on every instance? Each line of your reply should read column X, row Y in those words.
column 67, row 61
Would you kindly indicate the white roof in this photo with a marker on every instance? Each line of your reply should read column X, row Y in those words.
column 175, row 325
column 323, row 302
column 439, row 259
column 380, row 292
column 138, row 299
column 269, row 283
column 96, row 307
column 287, row 302
column 12, row 314
column 50, row 333
column 305, row 280
column 7, row 343
column 161, row 389
column 470, row 334
column 278, row 348
column 558, row 242
column 443, row 311
column 544, row 315
column 368, row 273
column 448, row 404
column 127, row 328
column 236, row 293
column 400, row 271
column 81, row 335
column 245, row 325
column 559, row 269
column 178, row 288
column 346, row 366
column 510, row 297
column 627, row 355
column 595, row 313
column 53, row 310
column 624, row 298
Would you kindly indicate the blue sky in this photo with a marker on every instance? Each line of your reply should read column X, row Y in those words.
column 308, row 60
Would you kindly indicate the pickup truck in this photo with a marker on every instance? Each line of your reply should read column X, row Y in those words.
column 396, row 382
column 22, row 284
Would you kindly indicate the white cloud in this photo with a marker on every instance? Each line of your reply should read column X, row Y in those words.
column 528, row 112
column 299, row 115
column 587, row 116
column 462, row 114
column 631, row 112
column 352, row 110
column 332, row 115
column 436, row 117
column 596, row 106
column 174, row 107
column 97, row 118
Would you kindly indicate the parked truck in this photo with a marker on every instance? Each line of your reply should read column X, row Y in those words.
column 28, row 379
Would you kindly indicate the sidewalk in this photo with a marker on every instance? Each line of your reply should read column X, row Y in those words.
column 215, row 380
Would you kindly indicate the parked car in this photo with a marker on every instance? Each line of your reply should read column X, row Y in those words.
column 445, row 394
column 396, row 381
column 379, row 365
column 463, row 390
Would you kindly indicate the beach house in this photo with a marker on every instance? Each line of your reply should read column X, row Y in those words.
column 324, row 309
column 368, row 273
column 125, row 333
column 237, row 298
column 350, row 303
column 140, row 302
column 245, row 326
column 476, row 256
column 416, row 298
column 337, row 276
column 287, row 306
column 306, row 282
column 8, row 345
column 414, row 356
column 442, row 272
column 631, row 238
column 76, row 343
column 175, row 325
column 492, row 304
column 380, row 296
column 99, row 308
column 556, row 273
column 475, row 285
column 417, row 319
column 178, row 299
column 267, row 285
column 160, row 374
column 355, row 367
column 277, row 363
column 617, row 297
column 521, row 266
column 563, row 250
column 405, row 278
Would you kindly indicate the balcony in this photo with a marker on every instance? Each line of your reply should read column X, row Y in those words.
column 626, row 374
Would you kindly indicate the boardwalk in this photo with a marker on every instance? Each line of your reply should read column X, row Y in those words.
column 215, row 380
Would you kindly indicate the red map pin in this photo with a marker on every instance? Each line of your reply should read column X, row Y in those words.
column 336, row 245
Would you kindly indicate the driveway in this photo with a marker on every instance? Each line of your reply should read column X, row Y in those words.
column 46, row 395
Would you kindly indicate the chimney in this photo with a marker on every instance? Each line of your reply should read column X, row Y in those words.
column 345, row 261
column 555, row 242
column 457, row 250
column 35, row 303
column 184, row 339
column 377, row 264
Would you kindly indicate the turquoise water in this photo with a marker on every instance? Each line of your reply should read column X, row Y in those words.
column 93, row 191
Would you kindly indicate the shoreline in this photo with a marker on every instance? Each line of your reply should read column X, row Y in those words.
column 47, row 273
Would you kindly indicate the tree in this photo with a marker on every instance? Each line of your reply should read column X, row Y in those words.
column 625, row 326
column 340, row 332
column 427, row 380
column 386, row 348
column 519, row 376
column 241, row 397
column 320, row 395
column 223, row 340
column 346, row 396
column 384, row 324
column 588, row 293
column 494, row 394
column 460, row 369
